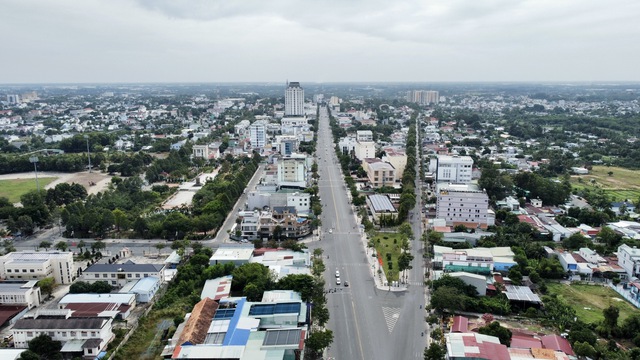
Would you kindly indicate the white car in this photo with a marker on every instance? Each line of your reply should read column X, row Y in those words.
column 338, row 281
column 337, row 273
column 330, row 231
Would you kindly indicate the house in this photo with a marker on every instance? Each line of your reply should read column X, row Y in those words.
column 37, row 265
column 629, row 259
column 569, row 263
column 119, row 274
column 20, row 293
column 83, row 336
column 217, row 289
column 623, row 207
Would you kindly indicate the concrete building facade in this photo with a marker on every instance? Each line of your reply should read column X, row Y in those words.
column 37, row 265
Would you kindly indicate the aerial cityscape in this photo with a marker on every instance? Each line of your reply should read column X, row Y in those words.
column 338, row 180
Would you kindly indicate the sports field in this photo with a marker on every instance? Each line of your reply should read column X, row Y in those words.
column 621, row 184
column 13, row 189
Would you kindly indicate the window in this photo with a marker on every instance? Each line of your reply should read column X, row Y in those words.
column 72, row 333
column 137, row 275
column 105, row 275
column 83, row 334
column 93, row 333
column 89, row 351
column 8, row 270
column 31, row 270
column 113, row 275
column 29, row 333
column 97, row 276
column 128, row 275
column 24, row 270
column 64, row 333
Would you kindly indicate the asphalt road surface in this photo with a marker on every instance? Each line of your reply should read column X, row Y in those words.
column 367, row 322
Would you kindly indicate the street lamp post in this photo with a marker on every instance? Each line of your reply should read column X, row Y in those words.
column 34, row 160
column 86, row 137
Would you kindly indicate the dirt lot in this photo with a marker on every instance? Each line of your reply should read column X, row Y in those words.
column 84, row 178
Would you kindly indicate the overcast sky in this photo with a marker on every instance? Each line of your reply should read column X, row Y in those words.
column 321, row 41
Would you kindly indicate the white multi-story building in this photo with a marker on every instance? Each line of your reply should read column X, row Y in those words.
column 292, row 171
column 120, row 274
column 37, row 265
column 463, row 204
column 294, row 100
column 365, row 150
column 20, row 293
column 629, row 259
column 258, row 134
column 348, row 145
column 260, row 199
column 364, row 135
column 92, row 334
column 241, row 127
column 452, row 169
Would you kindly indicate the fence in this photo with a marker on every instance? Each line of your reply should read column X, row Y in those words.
column 625, row 294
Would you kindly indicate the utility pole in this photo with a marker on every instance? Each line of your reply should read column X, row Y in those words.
column 34, row 160
column 86, row 137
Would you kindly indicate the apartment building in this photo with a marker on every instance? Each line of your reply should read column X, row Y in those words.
column 37, row 265
column 294, row 100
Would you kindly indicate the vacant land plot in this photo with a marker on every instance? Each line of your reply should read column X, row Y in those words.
column 589, row 300
column 389, row 243
column 620, row 185
column 13, row 189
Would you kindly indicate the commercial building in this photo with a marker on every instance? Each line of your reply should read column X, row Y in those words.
column 237, row 254
column 294, row 100
column 20, row 293
column 238, row 329
column 37, row 265
column 381, row 208
column 85, row 336
column 463, row 204
column 293, row 171
column 119, row 274
column 379, row 173
column 396, row 158
column 451, row 169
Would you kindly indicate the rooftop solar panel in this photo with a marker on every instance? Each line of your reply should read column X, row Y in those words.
column 282, row 337
column 270, row 309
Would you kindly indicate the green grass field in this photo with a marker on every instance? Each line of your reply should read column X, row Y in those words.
column 384, row 243
column 622, row 184
column 589, row 301
column 13, row 189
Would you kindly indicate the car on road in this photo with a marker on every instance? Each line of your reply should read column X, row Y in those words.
column 337, row 281
column 346, row 284
column 330, row 231
column 337, row 273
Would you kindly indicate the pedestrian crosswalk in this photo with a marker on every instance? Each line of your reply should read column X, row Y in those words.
column 391, row 315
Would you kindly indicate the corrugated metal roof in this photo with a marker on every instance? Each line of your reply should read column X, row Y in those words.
column 381, row 203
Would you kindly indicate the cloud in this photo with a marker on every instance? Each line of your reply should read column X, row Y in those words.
column 330, row 40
